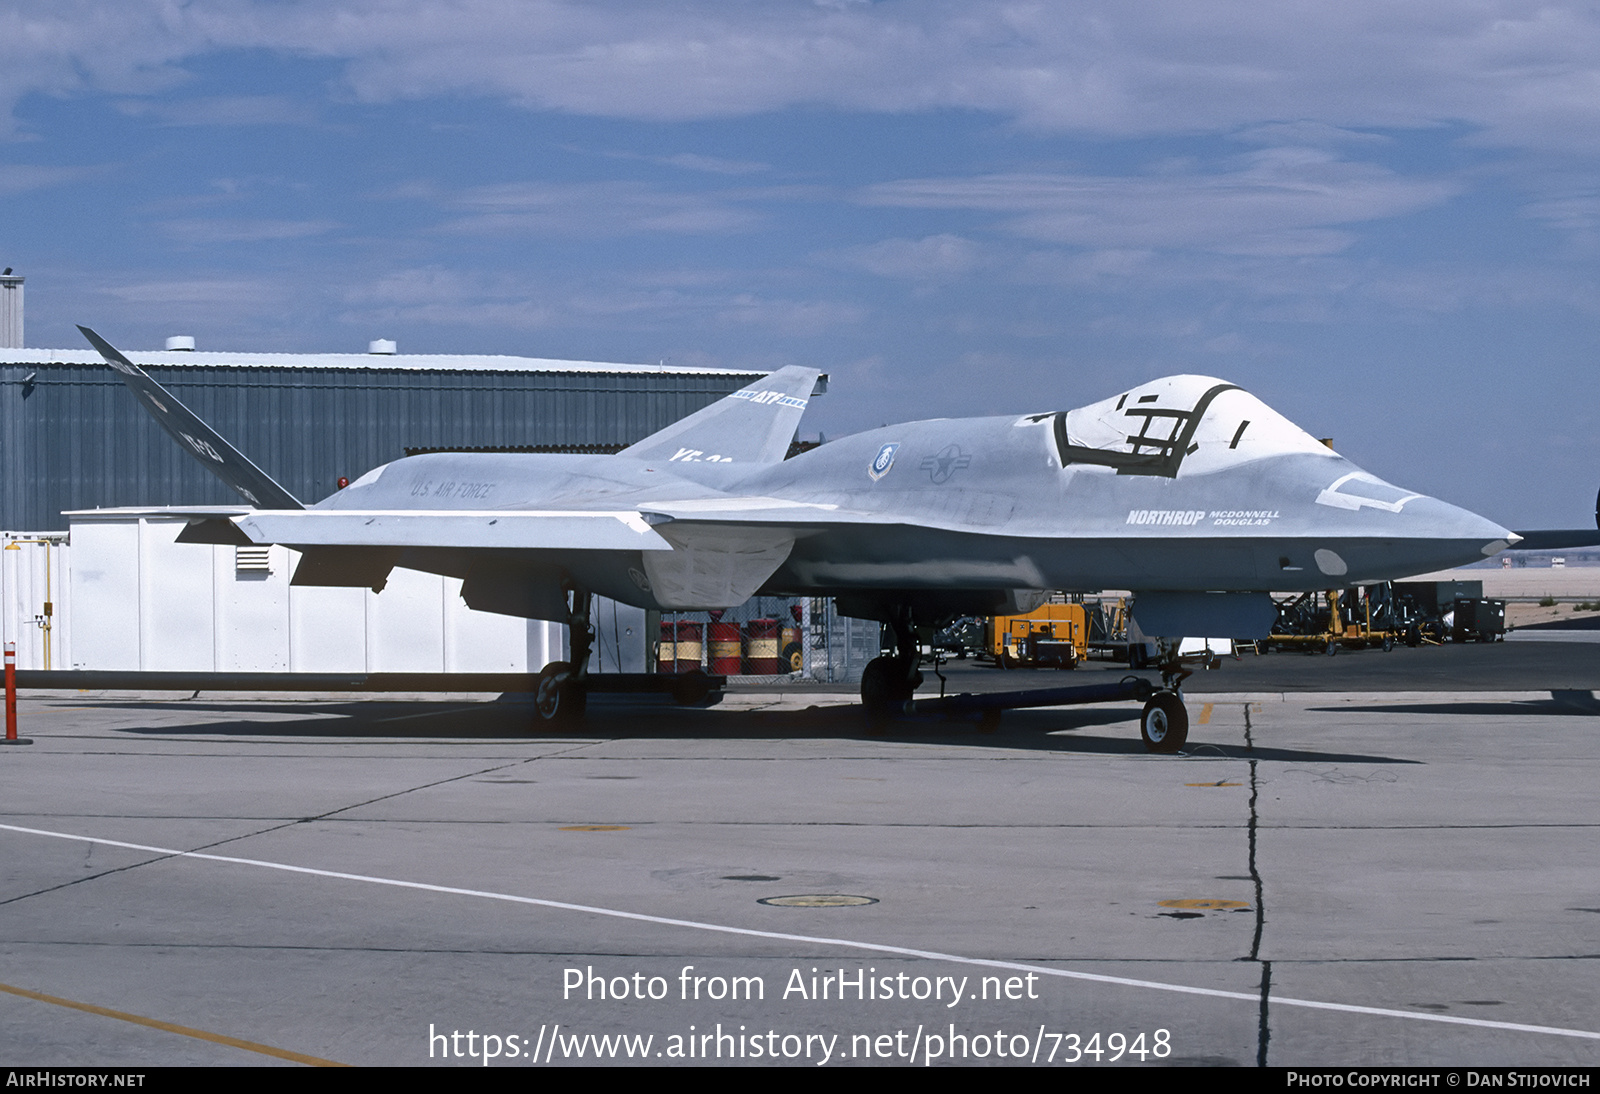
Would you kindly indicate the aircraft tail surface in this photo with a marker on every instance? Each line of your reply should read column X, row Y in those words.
column 194, row 436
column 752, row 426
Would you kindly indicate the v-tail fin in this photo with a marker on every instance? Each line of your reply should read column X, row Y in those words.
column 194, row 436
column 752, row 426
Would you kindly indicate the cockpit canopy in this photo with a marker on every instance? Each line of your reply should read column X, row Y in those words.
column 1193, row 423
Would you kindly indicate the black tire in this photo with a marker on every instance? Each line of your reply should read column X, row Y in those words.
column 1388, row 643
column 560, row 700
column 1164, row 725
column 794, row 656
column 1333, row 647
column 884, row 688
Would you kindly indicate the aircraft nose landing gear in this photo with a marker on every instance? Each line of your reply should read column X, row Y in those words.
column 889, row 681
column 1164, row 724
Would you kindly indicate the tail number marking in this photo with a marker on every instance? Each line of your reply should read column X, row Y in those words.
column 698, row 455
column 202, row 447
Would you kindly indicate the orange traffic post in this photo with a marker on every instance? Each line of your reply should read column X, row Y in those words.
column 11, row 697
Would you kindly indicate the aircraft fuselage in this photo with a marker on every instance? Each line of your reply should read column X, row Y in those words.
column 1232, row 498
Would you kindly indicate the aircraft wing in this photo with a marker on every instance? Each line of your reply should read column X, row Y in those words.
column 517, row 529
column 523, row 529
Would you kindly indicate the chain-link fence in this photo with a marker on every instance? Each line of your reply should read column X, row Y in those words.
column 770, row 638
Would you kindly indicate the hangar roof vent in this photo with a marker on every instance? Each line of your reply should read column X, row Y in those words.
column 184, row 342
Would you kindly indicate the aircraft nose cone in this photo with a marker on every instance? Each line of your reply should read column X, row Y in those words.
column 1441, row 520
column 1453, row 536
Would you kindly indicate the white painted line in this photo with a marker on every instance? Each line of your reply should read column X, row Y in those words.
column 874, row 947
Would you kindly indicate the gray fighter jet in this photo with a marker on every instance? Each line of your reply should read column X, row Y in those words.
column 1187, row 490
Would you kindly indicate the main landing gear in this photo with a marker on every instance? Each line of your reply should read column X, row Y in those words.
column 562, row 695
column 561, row 692
column 889, row 682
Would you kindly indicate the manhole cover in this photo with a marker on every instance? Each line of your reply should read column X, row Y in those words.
column 750, row 877
column 818, row 900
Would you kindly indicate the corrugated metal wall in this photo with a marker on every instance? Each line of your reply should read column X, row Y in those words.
column 75, row 438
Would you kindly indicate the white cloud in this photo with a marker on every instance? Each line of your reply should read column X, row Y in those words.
column 1317, row 289
column 1523, row 73
column 691, row 161
column 1278, row 202
column 17, row 178
column 588, row 209
column 687, row 161
column 446, row 297
column 933, row 258
column 243, row 229
column 224, row 110
column 194, row 291
column 797, row 318
column 1308, row 134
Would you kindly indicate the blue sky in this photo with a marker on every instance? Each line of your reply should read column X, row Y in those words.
column 1383, row 219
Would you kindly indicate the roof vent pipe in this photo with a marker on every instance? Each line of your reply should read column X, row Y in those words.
column 382, row 345
column 181, row 342
column 10, row 310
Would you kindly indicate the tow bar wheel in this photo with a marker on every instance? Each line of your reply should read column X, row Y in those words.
column 1164, row 725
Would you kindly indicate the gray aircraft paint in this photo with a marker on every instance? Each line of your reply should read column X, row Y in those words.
column 1184, row 484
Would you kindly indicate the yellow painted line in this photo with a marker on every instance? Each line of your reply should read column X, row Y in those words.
column 185, row 1031
column 1205, row 714
column 1209, row 905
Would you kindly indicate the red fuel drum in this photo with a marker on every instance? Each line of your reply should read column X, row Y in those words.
column 681, row 646
column 725, row 651
column 761, row 647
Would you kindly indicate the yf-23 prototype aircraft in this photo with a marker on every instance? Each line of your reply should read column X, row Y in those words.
column 1186, row 490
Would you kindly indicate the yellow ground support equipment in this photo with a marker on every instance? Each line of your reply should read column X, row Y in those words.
column 1050, row 635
